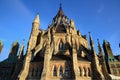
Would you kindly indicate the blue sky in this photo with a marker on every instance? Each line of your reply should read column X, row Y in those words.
column 100, row 17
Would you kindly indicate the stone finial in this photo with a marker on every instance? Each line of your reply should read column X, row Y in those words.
column 14, row 49
column 37, row 20
column 21, row 50
column 91, row 41
column 78, row 32
column 99, row 48
column 72, row 23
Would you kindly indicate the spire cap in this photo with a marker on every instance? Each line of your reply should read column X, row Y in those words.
column 91, row 41
column 60, row 12
column 37, row 19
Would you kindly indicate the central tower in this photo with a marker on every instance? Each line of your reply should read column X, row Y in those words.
column 60, row 53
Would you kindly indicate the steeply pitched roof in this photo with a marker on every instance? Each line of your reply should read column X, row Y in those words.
column 60, row 12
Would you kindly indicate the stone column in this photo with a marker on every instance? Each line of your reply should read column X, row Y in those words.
column 47, row 58
column 58, row 71
column 74, row 58
column 86, row 72
column 24, row 73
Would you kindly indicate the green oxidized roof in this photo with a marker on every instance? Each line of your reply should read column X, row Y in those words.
column 11, row 59
column 105, row 41
column 110, row 59
column 14, row 43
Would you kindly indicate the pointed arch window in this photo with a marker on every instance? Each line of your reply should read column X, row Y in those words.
column 61, row 71
column 66, row 71
column 84, row 71
column 89, row 73
column 80, row 71
column 55, row 71
column 61, row 46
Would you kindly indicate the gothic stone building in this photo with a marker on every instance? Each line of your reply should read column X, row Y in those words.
column 112, row 62
column 58, row 53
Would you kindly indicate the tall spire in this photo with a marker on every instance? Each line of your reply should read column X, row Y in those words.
column 60, row 12
column 37, row 20
column 99, row 48
column 14, row 49
column 91, row 41
column 95, row 62
column 60, row 3
column 21, row 51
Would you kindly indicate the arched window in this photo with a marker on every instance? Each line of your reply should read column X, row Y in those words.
column 89, row 73
column 80, row 71
column 55, row 71
column 66, row 71
column 61, row 46
column 61, row 71
column 84, row 70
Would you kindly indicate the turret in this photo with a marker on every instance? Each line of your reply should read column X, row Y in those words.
column 30, row 49
column 95, row 62
column 34, row 33
column 102, row 62
column 99, row 49
column 91, row 42
column 35, row 25
column 107, row 48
